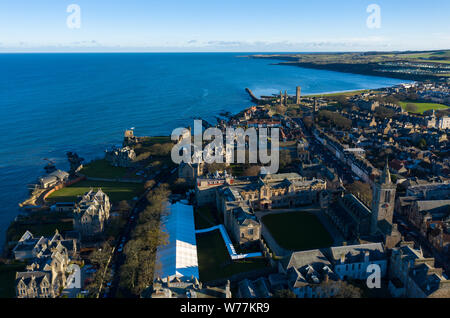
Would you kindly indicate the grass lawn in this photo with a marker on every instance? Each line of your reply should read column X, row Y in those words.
column 102, row 169
column 298, row 231
column 204, row 217
column 422, row 107
column 214, row 261
column 7, row 279
column 349, row 93
column 16, row 229
column 117, row 191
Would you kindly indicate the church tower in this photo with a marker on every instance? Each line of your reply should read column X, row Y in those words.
column 383, row 199
column 298, row 95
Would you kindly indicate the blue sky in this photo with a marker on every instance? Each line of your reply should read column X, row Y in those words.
column 227, row 25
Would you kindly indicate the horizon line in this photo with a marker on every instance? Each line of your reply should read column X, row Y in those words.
column 236, row 52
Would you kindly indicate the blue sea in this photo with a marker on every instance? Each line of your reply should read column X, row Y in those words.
column 53, row 103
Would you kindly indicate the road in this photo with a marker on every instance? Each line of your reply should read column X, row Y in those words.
column 346, row 175
column 119, row 257
column 315, row 147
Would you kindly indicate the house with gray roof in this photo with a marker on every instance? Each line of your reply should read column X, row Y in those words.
column 352, row 261
column 413, row 275
column 46, row 274
column 306, row 272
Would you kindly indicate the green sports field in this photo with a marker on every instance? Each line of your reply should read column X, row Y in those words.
column 117, row 191
column 419, row 108
column 214, row 262
column 297, row 231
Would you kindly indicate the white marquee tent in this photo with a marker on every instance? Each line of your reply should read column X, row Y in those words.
column 179, row 257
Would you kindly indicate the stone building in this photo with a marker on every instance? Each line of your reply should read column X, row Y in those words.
column 383, row 201
column 238, row 219
column 190, row 171
column 285, row 190
column 52, row 179
column 237, row 198
column 29, row 246
column 350, row 216
column 47, row 273
column 91, row 212
column 414, row 276
column 185, row 287
column 298, row 95
column 306, row 271
column 121, row 157
column 355, row 220
column 351, row 262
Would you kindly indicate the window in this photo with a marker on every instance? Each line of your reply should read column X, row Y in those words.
column 250, row 231
column 387, row 197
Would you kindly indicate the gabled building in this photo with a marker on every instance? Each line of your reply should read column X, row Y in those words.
column 121, row 157
column 91, row 212
column 351, row 262
column 414, row 276
column 306, row 271
column 47, row 273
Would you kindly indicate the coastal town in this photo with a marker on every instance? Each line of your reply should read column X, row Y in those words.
column 363, row 181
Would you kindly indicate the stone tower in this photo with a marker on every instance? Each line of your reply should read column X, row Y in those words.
column 285, row 98
column 281, row 98
column 315, row 106
column 297, row 95
column 383, row 199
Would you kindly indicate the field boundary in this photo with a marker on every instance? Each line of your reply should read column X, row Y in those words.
column 230, row 248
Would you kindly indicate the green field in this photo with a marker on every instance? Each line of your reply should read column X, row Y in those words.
column 297, row 231
column 117, row 191
column 421, row 107
column 204, row 217
column 7, row 279
column 348, row 93
column 214, row 261
column 102, row 169
column 17, row 229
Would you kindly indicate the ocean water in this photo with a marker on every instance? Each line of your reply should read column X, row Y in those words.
column 53, row 103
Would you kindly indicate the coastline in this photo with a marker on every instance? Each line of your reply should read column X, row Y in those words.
column 368, row 69
column 54, row 152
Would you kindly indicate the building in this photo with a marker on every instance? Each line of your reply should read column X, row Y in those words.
column 237, row 198
column 285, row 190
column 355, row 220
column 258, row 288
column 186, row 288
column 190, row 171
column 52, row 179
column 351, row 262
column 414, row 276
column 306, row 271
column 178, row 258
column 46, row 275
column 422, row 212
column 350, row 216
column 121, row 157
column 444, row 123
column 91, row 212
column 383, row 201
column 238, row 219
column 298, row 94
column 29, row 246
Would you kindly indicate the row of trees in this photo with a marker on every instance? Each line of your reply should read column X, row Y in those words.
column 328, row 118
column 137, row 273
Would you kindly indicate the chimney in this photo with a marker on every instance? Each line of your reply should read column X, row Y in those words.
column 325, row 278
